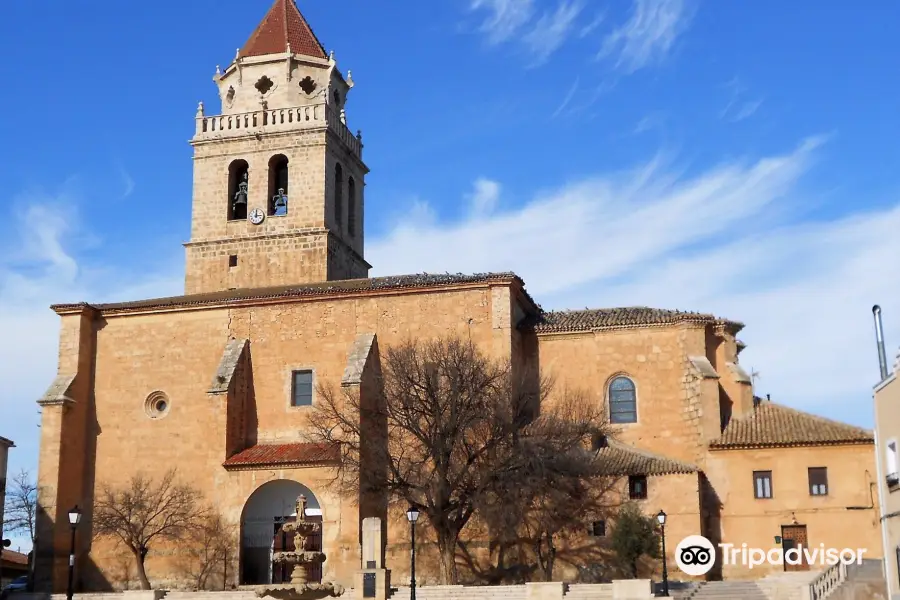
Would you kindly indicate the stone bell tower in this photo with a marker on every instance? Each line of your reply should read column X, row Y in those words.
column 278, row 176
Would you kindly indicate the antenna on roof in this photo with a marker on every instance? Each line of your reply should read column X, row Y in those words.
column 754, row 375
column 879, row 342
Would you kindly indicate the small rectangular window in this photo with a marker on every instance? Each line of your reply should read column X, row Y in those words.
column 598, row 529
column 818, row 481
column 232, row 260
column 302, row 388
column 762, row 484
column 637, row 487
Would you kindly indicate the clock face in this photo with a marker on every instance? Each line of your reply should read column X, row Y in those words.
column 256, row 216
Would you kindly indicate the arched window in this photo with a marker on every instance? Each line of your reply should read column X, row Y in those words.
column 622, row 401
column 351, row 206
column 339, row 196
column 278, row 185
column 238, row 185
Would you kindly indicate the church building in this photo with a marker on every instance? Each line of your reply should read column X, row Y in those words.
column 219, row 382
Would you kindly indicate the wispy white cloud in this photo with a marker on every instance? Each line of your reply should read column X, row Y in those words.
column 539, row 33
column 505, row 17
column 567, row 99
column 592, row 25
column 739, row 107
column 484, row 198
column 746, row 110
column 711, row 242
column 649, row 35
column 127, row 182
column 552, row 30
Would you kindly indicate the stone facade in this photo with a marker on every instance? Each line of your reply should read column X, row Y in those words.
column 204, row 382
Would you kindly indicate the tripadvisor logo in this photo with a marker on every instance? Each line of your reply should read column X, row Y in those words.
column 695, row 555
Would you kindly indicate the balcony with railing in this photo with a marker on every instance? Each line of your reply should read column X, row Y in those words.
column 276, row 120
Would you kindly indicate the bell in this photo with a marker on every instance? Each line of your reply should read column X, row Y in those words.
column 240, row 198
column 279, row 200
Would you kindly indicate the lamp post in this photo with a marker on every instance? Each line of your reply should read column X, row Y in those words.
column 661, row 517
column 413, row 515
column 74, row 520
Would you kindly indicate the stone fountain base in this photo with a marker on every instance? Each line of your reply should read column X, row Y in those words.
column 289, row 591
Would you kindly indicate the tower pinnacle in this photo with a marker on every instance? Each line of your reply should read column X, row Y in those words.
column 283, row 29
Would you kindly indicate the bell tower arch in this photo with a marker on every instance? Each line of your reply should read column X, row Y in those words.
column 277, row 173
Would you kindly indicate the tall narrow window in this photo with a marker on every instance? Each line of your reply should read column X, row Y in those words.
column 622, row 401
column 762, row 484
column 238, row 189
column 339, row 196
column 818, row 481
column 351, row 206
column 278, row 185
column 302, row 388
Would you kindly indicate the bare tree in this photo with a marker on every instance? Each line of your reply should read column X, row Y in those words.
column 145, row 511
column 459, row 429
column 209, row 547
column 21, row 505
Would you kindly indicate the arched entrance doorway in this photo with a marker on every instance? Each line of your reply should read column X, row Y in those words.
column 266, row 510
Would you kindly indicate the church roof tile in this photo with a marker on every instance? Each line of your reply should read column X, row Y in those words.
column 622, row 459
column 775, row 425
column 269, row 455
column 617, row 318
column 283, row 25
column 327, row 288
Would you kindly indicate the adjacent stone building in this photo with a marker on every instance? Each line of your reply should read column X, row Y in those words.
column 219, row 382
column 887, row 433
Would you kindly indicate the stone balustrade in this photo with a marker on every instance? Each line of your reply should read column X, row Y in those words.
column 826, row 583
column 275, row 120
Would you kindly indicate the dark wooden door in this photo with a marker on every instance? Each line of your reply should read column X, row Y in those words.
column 794, row 536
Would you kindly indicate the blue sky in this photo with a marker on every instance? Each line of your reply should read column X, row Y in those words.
column 728, row 157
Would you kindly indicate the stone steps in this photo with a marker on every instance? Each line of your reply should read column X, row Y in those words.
column 586, row 591
column 458, row 592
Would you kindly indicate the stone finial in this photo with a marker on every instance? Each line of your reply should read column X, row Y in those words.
column 343, row 116
column 359, row 134
column 301, row 507
column 237, row 54
column 897, row 363
column 200, row 109
column 218, row 70
column 289, row 47
column 349, row 78
column 331, row 57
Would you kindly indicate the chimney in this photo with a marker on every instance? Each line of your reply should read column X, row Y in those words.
column 879, row 340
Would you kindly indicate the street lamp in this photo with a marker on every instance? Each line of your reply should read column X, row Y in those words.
column 661, row 517
column 74, row 520
column 412, row 514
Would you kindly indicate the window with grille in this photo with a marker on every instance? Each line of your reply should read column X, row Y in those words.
column 637, row 487
column 818, row 481
column 302, row 388
column 622, row 401
column 762, row 484
column 598, row 529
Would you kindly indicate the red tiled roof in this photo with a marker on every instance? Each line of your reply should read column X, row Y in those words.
column 624, row 317
column 623, row 459
column 283, row 25
column 775, row 425
column 14, row 558
column 266, row 455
